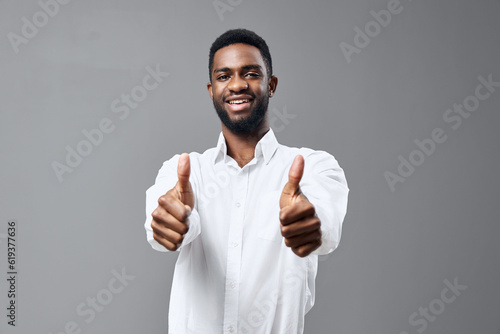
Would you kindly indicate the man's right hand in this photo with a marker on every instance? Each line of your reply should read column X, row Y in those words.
column 170, row 217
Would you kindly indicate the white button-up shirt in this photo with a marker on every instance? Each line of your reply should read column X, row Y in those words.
column 234, row 273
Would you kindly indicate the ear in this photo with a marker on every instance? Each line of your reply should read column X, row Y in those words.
column 209, row 88
column 273, row 83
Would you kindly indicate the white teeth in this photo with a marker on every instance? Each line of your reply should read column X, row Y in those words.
column 237, row 101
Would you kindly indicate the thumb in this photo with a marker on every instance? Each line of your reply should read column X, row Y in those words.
column 183, row 172
column 294, row 176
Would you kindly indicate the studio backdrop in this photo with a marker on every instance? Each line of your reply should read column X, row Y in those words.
column 96, row 95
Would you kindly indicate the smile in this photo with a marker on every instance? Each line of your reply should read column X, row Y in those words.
column 239, row 101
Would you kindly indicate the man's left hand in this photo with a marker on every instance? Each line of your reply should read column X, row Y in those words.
column 300, row 226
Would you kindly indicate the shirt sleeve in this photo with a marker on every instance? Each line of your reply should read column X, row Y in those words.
column 166, row 180
column 325, row 186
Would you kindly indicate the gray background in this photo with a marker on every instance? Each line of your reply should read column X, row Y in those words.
column 398, row 246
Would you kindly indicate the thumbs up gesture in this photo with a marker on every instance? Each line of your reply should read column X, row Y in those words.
column 300, row 226
column 170, row 217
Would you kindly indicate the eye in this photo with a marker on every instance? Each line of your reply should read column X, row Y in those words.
column 255, row 75
column 222, row 77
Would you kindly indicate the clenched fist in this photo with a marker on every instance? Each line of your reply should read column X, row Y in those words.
column 170, row 217
column 300, row 226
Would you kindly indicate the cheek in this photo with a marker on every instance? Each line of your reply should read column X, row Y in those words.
column 217, row 87
column 218, row 93
column 261, row 88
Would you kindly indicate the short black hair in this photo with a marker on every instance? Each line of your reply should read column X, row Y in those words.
column 244, row 36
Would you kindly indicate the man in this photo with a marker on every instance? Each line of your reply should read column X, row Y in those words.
column 248, row 217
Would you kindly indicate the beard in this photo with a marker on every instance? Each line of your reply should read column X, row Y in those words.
column 245, row 125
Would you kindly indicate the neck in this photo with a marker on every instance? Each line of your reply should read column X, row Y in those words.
column 241, row 146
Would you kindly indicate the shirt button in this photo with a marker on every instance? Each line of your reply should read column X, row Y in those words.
column 232, row 284
column 230, row 329
column 234, row 244
column 238, row 204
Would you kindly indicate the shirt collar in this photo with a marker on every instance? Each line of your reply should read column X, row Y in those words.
column 266, row 147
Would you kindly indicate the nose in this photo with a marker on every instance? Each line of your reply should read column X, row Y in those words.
column 237, row 84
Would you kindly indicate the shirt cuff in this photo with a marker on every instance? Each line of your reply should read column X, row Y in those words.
column 194, row 228
column 330, row 231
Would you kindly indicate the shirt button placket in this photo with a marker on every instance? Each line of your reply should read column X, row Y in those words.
column 233, row 265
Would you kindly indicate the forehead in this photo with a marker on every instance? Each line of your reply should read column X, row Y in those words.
column 237, row 55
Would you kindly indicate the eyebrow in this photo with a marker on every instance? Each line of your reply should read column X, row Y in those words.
column 245, row 67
